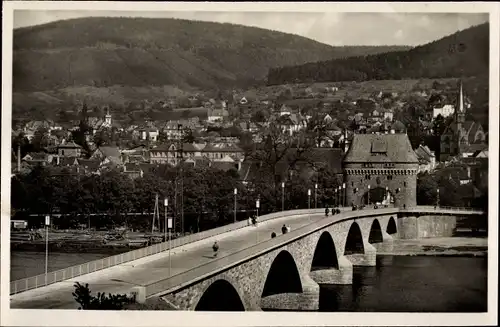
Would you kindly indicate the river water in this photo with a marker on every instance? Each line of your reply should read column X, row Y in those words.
column 412, row 284
column 396, row 284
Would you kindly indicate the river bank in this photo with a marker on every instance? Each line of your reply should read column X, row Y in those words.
column 441, row 246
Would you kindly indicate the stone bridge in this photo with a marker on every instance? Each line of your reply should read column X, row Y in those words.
column 284, row 273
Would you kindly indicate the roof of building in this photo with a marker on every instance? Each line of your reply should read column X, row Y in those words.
column 89, row 164
column 110, row 151
column 36, row 156
column 381, row 148
column 398, row 126
column 70, row 144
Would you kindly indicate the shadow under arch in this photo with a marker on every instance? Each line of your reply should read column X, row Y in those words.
column 354, row 242
column 220, row 296
column 391, row 226
column 283, row 276
column 375, row 233
column 325, row 254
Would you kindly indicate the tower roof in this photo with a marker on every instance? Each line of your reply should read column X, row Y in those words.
column 394, row 148
column 461, row 108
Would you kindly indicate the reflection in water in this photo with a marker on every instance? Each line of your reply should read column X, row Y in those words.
column 412, row 284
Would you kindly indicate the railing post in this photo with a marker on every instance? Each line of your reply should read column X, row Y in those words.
column 36, row 281
column 64, row 275
column 15, row 287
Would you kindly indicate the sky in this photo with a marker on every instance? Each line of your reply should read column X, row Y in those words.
column 332, row 28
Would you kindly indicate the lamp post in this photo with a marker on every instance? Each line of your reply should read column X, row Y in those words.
column 343, row 194
column 335, row 197
column 47, row 223
column 309, row 198
column 387, row 194
column 437, row 199
column 316, row 196
column 340, row 196
column 235, row 193
column 368, row 195
column 257, row 205
column 165, row 204
column 169, row 226
column 282, row 196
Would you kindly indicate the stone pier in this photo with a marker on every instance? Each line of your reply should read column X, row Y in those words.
column 308, row 300
column 330, row 276
column 369, row 258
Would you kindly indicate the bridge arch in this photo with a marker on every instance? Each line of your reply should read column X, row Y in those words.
column 220, row 296
column 325, row 254
column 375, row 233
column 391, row 226
column 283, row 276
column 377, row 194
column 354, row 241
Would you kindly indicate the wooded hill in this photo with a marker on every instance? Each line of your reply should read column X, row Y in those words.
column 143, row 52
column 465, row 53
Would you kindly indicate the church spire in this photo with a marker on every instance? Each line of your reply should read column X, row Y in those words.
column 461, row 107
column 460, row 117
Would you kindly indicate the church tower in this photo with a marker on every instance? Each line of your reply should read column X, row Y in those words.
column 460, row 117
column 107, row 118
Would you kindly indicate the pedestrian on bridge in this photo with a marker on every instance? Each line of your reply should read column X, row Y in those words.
column 215, row 247
column 327, row 211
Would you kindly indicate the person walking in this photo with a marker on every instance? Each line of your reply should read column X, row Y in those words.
column 215, row 247
column 284, row 230
column 327, row 211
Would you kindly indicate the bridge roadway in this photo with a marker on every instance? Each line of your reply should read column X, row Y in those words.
column 120, row 279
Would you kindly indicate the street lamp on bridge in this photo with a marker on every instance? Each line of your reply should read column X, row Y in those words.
column 343, row 194
column 282, row 196
column 235, row 193
column 316, row 196
column 336, row 197
column 437, row 198
column 168, row 225
column 47, row 223
column 309, row 198
column 339, row 203
column 257, row 205
column 368, row 195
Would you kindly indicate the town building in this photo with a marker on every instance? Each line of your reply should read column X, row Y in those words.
column 380, row 167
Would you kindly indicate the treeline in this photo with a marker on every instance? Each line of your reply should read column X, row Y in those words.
column 465, row 53
column 208, row 197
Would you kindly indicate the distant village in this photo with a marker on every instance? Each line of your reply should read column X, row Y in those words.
column 219, row 134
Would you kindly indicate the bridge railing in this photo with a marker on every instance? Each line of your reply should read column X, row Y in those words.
column 43, row 280
column 437, row 208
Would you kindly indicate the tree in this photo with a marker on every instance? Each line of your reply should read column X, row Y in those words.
column 426, row 189
column 82, row 295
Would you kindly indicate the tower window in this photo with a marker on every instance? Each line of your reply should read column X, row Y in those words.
column 404, row 184
column 389, row 177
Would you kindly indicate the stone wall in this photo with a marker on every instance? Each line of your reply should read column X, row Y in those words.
column 414, row 226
